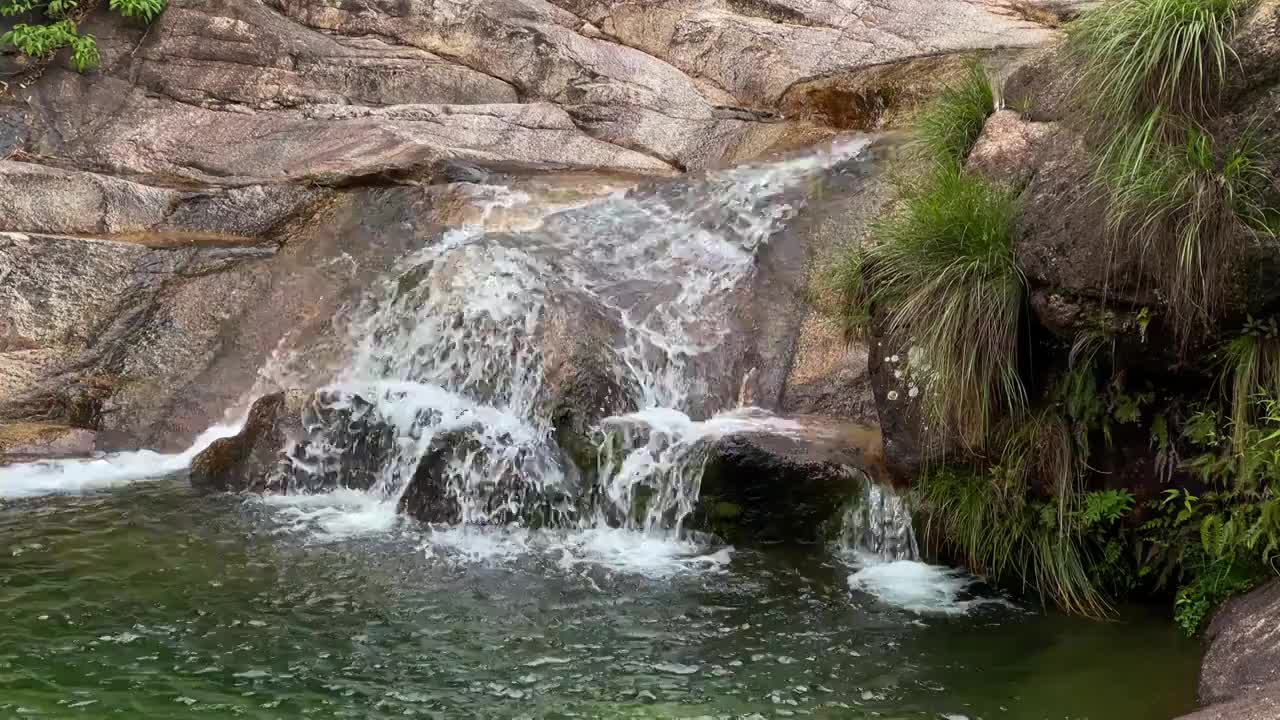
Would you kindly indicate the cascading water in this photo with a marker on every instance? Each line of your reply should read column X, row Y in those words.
column 877, row 526
column 451, row 350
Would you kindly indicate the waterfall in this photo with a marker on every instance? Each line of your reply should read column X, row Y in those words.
column 877, row 526
column 452, row 351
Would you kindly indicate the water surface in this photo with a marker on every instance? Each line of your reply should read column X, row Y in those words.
column 152, row 602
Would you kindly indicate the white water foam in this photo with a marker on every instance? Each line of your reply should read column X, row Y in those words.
column 77, row 476
column 614, row 549
column 922, row 588
column 333, row 516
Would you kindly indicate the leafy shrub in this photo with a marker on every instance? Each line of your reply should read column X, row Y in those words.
column 145, row 9
column 947, row 127
column 945, row 270
column 42, row 40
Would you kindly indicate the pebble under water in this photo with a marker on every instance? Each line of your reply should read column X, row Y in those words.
column 152, row 602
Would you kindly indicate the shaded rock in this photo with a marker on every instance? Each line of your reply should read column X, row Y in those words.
column 1240, row 673
column 899, row 390
column 1243, row 653
column 428, row 497
column 1261, row 705
column 787, row 485
column 469, row 476
column 22, row 440
column 253, row 458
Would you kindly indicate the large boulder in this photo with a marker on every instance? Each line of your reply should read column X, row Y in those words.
column 1240, row 673
column 253, row 459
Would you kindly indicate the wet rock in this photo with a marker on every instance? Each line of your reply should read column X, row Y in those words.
column 581, row 375
column 347, row 443
column 1240, row 673
column 504, row 482
column 254, row 458
column 44, row 440
column 787, row 486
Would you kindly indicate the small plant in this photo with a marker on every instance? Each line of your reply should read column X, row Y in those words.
column 944, row 267
column 41, row 40
column 845, row 279
column 948, row 127
column 1226, row 539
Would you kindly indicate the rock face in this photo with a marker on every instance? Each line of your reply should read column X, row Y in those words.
column 234, row 93
column 214, row 190
column 789, row 486
column 251, row 459
column 42, row 440
column 1240, row 674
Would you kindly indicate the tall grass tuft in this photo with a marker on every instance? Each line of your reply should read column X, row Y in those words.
column 947, row 127
column 1009, row 537
column 1140, row 55
column 1188, row 210
column 944, row 269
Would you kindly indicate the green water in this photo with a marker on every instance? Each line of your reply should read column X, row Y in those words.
column 150, row 602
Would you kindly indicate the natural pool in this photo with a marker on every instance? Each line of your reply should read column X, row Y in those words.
column 149, row 601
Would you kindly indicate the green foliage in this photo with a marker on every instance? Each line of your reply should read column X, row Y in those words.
column 1105, row 507
column 1226, row 539
column 947, row 127
column 1010, row 536
column 40, row 41
column 945, row 270
column 145, row 9
column 1140, row 55
column 59, row 30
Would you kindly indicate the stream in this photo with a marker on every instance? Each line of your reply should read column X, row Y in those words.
column 123, row 593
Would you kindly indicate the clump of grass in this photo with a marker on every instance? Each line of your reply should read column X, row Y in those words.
column 1188, row 210
column 948, row 126
column 1140, row 55
column 944, row 269
column 1152, row 76
column 1008, row 536
column 1039, row 452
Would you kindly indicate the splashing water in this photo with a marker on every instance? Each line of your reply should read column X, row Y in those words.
column 74, row 476
column 452, row 350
